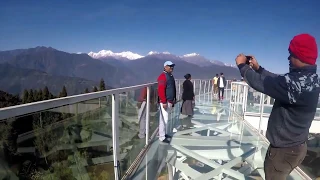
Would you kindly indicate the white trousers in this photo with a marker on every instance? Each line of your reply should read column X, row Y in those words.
column 142, row 120
column 163, row 121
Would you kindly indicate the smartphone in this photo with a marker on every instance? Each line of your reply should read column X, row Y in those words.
column 248, row 59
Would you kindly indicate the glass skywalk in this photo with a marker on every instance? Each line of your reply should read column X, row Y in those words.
column 95, row 136
column 220, row 145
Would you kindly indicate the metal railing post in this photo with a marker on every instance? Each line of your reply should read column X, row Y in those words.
column 204, row 91
column 245, row 99
column 209, row 85
column 179, row 88
column 261, row 116
column 230, row 103
column 200, row 84
column 238, row 97
column 261, row 110
column 147, row 114
column 194, row 86
column 115, row 134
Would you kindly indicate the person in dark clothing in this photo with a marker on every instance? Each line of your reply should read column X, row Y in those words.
column 222, row 83
column 188, row 101
column 296, row 97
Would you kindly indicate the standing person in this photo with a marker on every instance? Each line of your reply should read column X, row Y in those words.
column 167, row 98
column 215, row 84
column 142, row 102
column 188, row 100
column 296, row 97
column 221, row 85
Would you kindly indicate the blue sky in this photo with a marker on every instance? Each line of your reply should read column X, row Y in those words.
column 216, row 29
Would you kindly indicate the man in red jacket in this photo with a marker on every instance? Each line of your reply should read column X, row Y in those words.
column 167, row 97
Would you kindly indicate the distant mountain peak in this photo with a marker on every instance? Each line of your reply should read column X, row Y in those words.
column 191, row 55
column 155, row 52
column 108, row 53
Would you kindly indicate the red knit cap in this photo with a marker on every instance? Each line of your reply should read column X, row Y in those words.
column 304, row 47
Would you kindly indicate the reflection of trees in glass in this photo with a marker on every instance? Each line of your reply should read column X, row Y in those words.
column 99, row 172
column 45, row 139
column 7, row 137
column 45, row 163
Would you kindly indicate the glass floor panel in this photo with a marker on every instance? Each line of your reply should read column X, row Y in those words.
column 219, row 144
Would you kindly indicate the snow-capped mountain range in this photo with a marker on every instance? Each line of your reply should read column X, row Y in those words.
column 107, row 53
column 193, row 58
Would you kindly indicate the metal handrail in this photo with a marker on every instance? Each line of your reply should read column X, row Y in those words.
column 19, row 110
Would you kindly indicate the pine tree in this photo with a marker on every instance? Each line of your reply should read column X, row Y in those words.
column 40, row 95
column 31, row 96
column 25, row 96
column 63, row 93
column 45, row 93
column 86, row 91
column 95, row 89
column 35, row 95
column 102, row 85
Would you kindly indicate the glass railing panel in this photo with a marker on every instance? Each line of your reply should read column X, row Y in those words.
column 174, row 121
column 68, row 142
column 154, row 111
column 311, row 163
column 154, row 159
column 239, row 95
column 253, row 110
column 132, row 126
column 246, row 99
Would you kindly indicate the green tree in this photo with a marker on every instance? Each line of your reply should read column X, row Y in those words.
column 31, row 96
column 25, row 96
column 35, row 95
column 102, row 85
column 63, row 93
column 45, row 93
column 86, row 91
column 40, row 95
column 95, row 89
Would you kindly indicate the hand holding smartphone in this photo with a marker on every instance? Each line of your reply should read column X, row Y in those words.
column 248, row 59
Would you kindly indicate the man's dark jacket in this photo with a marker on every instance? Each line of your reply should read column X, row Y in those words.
column 224, row 81
column 296, row 97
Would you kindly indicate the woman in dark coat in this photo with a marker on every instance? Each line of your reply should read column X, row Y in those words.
column 188, row 99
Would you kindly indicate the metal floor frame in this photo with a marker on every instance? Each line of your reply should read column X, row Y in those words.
column 201, row 148
column 220, row 145
column 223, row 146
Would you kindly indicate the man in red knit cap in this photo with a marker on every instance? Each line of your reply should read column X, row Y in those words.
column 296, row 97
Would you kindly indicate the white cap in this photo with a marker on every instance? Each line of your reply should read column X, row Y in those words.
column 168, row 63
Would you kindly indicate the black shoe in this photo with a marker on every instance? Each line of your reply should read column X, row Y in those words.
column 166, row 141
column 168, row 136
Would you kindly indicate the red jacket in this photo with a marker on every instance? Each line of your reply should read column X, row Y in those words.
column 143, row 95
column 166, row 88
